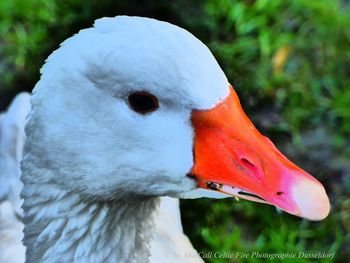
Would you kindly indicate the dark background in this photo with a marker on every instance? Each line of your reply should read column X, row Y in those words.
column 290, row 64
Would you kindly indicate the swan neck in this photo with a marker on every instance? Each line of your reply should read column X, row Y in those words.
column 60, row 227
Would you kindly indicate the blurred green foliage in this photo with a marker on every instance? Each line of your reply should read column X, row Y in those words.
column 289, row 59
column 24, row 32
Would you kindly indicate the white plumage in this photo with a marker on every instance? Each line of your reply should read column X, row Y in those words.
column 12, row 140
column 168, row 242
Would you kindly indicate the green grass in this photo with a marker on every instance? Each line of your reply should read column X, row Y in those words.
column 231, row 226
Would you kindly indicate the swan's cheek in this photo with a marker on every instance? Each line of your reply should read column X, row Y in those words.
column 146, row 155
column 171, row 156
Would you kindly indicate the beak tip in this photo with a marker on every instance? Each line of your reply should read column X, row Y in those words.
column 311, row 199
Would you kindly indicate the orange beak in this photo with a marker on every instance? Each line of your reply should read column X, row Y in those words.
column 231, row 156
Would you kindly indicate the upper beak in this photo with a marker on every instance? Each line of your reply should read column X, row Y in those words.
column 232, row 157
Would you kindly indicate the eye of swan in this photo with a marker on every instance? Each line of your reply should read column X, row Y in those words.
column 143, row 102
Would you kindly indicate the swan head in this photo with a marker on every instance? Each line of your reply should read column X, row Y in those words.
column 137, row 107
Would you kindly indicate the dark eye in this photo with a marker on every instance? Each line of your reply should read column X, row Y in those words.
column 143, row 102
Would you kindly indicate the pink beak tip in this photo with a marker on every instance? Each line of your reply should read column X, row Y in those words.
column 311, row 199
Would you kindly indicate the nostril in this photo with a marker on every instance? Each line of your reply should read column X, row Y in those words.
column 247, row 163
column 279, row 193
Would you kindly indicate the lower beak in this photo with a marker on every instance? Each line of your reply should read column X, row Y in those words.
column 232, row 157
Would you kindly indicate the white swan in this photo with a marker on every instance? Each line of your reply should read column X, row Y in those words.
column 125, row 112
column 169, row 243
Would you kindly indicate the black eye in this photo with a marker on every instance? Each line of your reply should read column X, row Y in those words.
column 143, row 102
